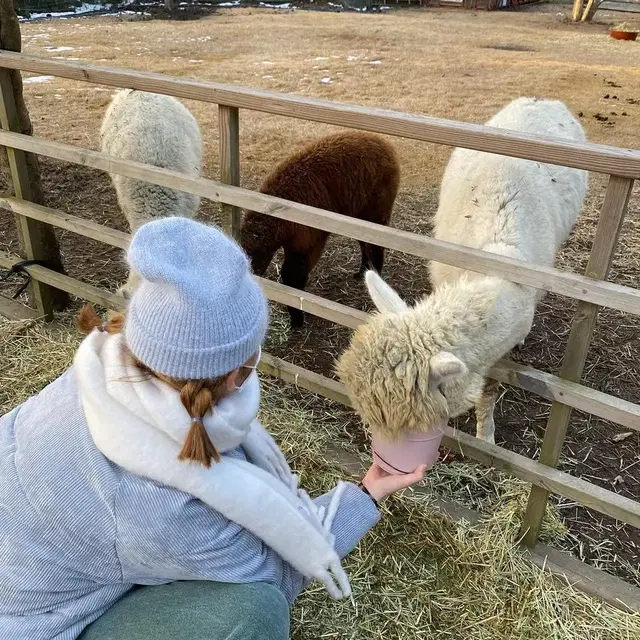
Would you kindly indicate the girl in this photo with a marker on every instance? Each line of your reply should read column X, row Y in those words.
column 139, row 496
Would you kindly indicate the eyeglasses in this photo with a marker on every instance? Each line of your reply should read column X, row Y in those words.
column 254, row 366
column 251, row 367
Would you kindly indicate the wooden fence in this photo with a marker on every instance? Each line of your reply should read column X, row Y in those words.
column 591, row 290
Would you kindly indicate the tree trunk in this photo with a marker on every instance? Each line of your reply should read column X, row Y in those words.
column 10, row 40
column 170, row 5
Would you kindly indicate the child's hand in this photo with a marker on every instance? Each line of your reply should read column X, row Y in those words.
column 381, row 484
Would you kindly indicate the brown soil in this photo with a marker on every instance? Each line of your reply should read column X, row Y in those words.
column 461, row 65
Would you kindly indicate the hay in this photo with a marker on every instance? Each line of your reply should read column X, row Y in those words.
column 420, row 575
column 32, row 354
column 417, row 575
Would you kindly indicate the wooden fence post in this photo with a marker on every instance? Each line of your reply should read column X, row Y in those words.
column 604, row 245
column 37, row 239
column 578, row 5
column 229, row 122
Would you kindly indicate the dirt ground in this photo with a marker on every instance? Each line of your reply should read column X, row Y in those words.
column 448, row 63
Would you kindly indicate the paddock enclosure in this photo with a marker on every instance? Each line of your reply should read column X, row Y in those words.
column 591, row 290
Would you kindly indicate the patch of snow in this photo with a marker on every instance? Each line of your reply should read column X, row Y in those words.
column 376, row 62
column 65, row 58
column 320, row 58
column 37, row 79
column 326, row 81
column 352, row 58
column 286, row 5
column 266, row 62
column 59, row 49
column 196, row 61
column 267, row 76
column 229, row 4
column 83, row 8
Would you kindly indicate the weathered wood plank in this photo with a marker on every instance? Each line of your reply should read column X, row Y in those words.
column 229, row 119
column 12, row 310
column 567, row 284
column 540, row 382
column 491, row 455
column 599, row 158
column 37, row 242
column 604, row 245
column 550, row 479
column 58, row 218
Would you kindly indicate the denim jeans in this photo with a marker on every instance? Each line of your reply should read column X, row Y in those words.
column 195, row 611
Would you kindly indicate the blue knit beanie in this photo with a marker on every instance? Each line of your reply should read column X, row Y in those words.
column 197, row 312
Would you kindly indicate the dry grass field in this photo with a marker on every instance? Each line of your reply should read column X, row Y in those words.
column 454, row 64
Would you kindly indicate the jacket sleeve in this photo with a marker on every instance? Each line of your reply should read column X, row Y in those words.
column 357, row 514
column 164, row 535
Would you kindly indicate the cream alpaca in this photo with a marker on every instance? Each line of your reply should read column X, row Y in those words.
column 157, row 130
column 410, row 368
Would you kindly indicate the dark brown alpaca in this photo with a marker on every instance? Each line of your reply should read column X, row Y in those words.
column 352, row 173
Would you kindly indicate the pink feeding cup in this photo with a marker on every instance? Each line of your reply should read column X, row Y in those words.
column 409, row 452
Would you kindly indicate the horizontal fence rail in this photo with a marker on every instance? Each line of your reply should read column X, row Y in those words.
column 541, row 475
column 541, row 383
column 591, row 157
column 559, row 482
column 554, row 280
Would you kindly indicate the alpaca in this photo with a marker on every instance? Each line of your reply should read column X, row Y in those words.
column 411, row 368
column 157, row 130
column 352, row 173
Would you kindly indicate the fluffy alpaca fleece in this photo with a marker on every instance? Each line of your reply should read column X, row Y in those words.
column 409, row 368
column 352, row 173
column 156, row 130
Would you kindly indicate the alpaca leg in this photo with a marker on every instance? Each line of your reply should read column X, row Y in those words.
column 295, row 273
column 378, row 209
column 485, row 427
column 372, row 258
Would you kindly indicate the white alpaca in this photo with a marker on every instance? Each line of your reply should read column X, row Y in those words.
column 157, row 130
column 410, row 368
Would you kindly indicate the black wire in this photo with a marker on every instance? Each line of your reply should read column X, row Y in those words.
column 20, row 268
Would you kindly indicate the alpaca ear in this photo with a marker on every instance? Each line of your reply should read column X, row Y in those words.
column 383, row 296
column 443, row 367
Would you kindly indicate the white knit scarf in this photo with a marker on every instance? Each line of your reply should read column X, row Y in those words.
column 140, row 424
